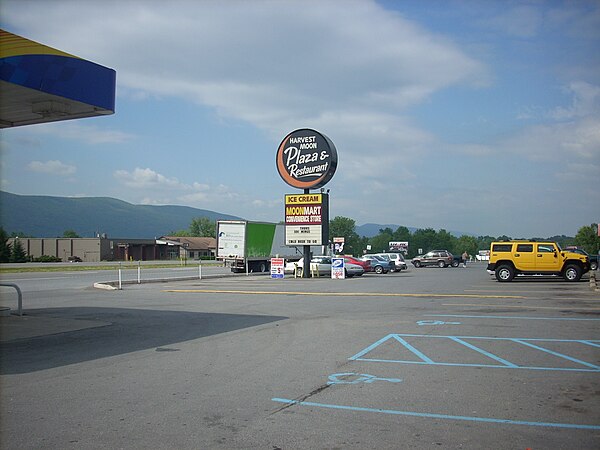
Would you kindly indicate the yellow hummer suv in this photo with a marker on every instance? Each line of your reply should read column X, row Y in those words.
column 511, row 258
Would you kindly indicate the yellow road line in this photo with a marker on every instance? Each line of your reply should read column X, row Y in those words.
column 335, row 294
column 584, row 291
column 565, row 308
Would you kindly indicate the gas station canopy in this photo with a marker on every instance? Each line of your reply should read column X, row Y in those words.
column 41, row 84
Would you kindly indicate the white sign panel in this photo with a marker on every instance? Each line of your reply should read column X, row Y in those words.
column 306, row 219
column 303, row 234
column 277, row 267
column 231, row 238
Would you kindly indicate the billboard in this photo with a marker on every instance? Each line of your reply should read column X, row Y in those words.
column 398, row 246
column 306, row 219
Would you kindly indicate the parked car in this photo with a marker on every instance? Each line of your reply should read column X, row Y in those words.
column 593, row 258
column 74, row 259
column 379, row 264
column 323, row 266
column 457, row 260
column 440, row 258
column 532, row 258
column 397, row 259
column 365, row 264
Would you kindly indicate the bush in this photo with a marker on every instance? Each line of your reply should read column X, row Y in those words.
column 47, row 258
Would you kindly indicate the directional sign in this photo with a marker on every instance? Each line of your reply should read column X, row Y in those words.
column 277, row 267
column 337, row 268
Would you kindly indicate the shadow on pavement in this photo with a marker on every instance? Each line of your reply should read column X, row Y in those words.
column 110, row 332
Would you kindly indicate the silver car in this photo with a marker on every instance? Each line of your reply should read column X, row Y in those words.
column 323, row 265
column 397, row 259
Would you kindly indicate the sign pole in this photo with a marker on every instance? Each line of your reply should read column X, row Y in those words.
column 307, row 256
column 306, row 159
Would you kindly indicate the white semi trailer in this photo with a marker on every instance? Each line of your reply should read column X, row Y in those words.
column 249, row 246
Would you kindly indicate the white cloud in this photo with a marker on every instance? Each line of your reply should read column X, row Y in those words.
column 304, row 62
column 52, row 167
column 576, row 141
column 585, row 101
column 159, row 189
column 147, row 178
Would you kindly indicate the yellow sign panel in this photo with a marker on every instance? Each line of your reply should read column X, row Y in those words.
column 303, row 199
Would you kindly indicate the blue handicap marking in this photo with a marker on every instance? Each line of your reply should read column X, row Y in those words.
column 436, row 322
column 355, row 378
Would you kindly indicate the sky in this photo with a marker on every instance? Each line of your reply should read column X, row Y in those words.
column 476, row 116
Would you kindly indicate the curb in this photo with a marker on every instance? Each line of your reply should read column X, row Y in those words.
column 114, row 285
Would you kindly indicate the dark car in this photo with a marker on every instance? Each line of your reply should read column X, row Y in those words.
column 593, row 258
column 457, row 260
column 440, row 258
column 378, row 264
column 74, row 259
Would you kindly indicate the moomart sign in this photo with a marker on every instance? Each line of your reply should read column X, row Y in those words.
column 306, row 159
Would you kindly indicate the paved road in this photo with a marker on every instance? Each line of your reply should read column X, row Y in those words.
column 429, row 358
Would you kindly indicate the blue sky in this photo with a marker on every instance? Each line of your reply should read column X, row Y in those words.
column 478, row 116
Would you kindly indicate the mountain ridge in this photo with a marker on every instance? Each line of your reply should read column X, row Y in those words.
column 50, row 216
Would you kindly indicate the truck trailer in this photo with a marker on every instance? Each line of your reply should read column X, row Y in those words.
column 249, row 246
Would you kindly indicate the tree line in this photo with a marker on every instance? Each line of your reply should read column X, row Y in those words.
column 424, row 239
column 427, row 239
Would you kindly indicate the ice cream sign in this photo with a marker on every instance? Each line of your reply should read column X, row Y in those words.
column 306, row 159
column 306, row 219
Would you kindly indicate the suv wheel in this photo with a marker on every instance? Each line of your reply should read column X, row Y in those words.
column 417, row 264
column 378, row 270
column 505, row 273
column 454, row 263
column 594, row 265
column 572, row 273
column 441, row 264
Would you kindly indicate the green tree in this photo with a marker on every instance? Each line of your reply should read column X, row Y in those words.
column 466, row 243
column 5, row 250
column 422, row 239
column 203, row 227
column 444, row 240
column 17, row 234
column 345, row 227
column 588, row 239
column 381, row 242
column 70, row 234
column 485, row 242
column 181, row 233
column 18, row 254
column 402, row 234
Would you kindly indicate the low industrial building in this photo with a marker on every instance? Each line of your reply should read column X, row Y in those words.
column 113, row 249
column 193, row 247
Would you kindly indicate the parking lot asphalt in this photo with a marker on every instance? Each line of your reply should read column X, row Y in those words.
column 428, row 358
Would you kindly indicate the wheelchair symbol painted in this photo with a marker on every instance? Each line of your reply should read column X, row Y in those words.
column 355, row 378
column 436, row 322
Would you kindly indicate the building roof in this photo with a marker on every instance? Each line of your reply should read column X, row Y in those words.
column 42, row 84
column 194, row 243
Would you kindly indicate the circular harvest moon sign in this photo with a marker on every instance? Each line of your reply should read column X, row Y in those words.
column 306, row 159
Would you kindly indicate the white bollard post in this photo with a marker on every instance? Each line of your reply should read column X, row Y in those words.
column 200, row 270
column 120, row 279
column 139, row 272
